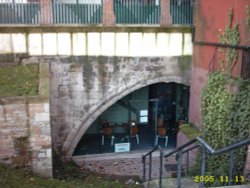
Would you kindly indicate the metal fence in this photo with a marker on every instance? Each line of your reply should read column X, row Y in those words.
column 83, row 12
column 19, row 12
column 137, row 11
column 91, row 11
column 182, row 11
column 62, row 11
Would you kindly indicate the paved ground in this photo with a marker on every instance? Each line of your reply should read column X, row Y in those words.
column 125, row 163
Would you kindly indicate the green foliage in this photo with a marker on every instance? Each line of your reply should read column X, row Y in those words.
column 226, row 117
column 190, row 130
column 19, row 80
column 225, row 107
column 20, row 178
column 215, row 108
column 248, row 17
column 230, row 36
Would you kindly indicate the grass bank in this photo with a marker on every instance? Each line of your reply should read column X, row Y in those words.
column 69, row 176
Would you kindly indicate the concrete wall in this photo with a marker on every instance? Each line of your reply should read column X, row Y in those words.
column 95, row 43
column 82, row 88
column 25, row 132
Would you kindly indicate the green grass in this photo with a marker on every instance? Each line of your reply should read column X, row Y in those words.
column 21, row 80
column 21, row 178
column 190, row 130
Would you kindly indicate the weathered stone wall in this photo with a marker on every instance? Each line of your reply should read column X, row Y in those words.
column 83, row 87
column 25, row 132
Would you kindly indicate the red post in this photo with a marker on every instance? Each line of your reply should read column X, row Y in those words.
column 108, row 13
column 46, row 12
column 166, row 18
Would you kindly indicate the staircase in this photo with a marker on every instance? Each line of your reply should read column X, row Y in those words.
column 171, row 183
column 186, row 182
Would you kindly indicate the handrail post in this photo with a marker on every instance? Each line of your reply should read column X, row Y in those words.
column 231, row 166
column 144, row 167
column 203, row 165
column 187, row 163
column 161, row 163
column 150, row 167
column 179, row 160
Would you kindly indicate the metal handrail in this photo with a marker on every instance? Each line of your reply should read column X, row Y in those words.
column 231, row 147
column 156, row 148
column 206, row 148
column 180, row 148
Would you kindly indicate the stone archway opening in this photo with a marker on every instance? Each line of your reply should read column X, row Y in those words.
column 147, row 106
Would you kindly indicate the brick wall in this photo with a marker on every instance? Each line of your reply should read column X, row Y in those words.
column 25, row 132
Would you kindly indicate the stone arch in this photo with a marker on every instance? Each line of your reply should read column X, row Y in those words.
column 74, row 136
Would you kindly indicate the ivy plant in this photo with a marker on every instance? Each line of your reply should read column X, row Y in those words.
column 225, row 105
column 248, row 17
column 230, row 36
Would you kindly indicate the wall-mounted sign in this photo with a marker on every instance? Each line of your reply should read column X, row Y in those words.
column 122, row 147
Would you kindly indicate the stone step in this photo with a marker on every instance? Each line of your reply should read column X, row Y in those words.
column 171, row 183
column 235, row 186
column 185, row 182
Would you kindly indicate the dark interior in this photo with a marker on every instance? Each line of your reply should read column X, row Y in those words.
column 167, row 102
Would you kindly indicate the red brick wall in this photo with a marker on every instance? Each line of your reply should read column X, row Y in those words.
column 199, row 79
column 25, row 134
column 211, row 18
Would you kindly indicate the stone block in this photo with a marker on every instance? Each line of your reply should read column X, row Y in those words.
column 93, row 47
column 49, row 153
column 35, row 44
column 44, row 87
column 42, row 117
column 49, row 40
column 46, row 107
column 19, row 43
column 79, row 44
column 41, row 155
column 6, row 40
column 108, row 44
column 36, row 108
column 64, row 44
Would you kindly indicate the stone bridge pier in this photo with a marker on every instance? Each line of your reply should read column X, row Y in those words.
column 83, row 87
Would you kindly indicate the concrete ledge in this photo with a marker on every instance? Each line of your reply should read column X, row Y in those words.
column 93, row 28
